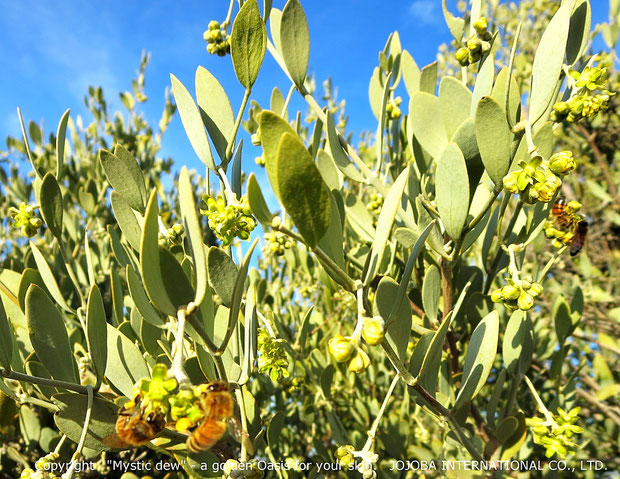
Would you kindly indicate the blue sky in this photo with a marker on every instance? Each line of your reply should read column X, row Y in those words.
column 53, row 50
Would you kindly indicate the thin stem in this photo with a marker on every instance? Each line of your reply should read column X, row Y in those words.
column 496, row 191
column 193, row 321
column 39, row 402
column 230, row 195
column 541, row 405
column 177, row 363
column 43, row 381
column 233, row 135
column 547, row 267
column 244, row 424
column 60, row 443
column 225, row 23
column 288, row 99
column 373, row 429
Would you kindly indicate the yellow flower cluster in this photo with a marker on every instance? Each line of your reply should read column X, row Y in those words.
column 477, row 45
column 25, row 217
column 218, row 41
column 228, row 221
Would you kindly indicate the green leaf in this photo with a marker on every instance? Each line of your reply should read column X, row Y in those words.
column 465, row 138
column 96, row 332
column 274, row 429
column 411, row 72
column 125, row 365
column 506, row 428
column 48, row 278
column 375, row 90
column 484, row 82
column 499, row 94
column 48, row 335
column 494, row 138
column 125, row 176
column 6, row 340
column 579, row 31
column 70, row 419
column 248, row 42
column 426, row 123
column 295, row 41
column 513, row 444
column 456, row 25
column 193, row 231
column 479, row 359
column 428, row 78
column 278, row 103
column 452, row 190
column 332, row 241
column 192, row 122
column 548, row 61
column 150, row 268
column 562, row 319
column 398, row 330
column 51, row 204
column 222, row 274
column 303, row 192
column 332, row 176
column 257, row 202
column 384, row 226
column 235, row 180
column 495, row 398
column 455, row 103
column 214, row 105
column 341, row 159
column 431, row 290
column 429, row 371
column 249, row 336
column 60, row 142
column 126, row 220
column 237, row 293
column 275, row 20
column 178, row 286
column 272, row 129
column 138, row 295
column 29, row 276
column 514, row 338
column 435, row 239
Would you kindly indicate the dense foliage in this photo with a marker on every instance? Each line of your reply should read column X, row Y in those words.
column 412, row 302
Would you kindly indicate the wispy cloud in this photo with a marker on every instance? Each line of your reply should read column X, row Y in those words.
column 425, row 11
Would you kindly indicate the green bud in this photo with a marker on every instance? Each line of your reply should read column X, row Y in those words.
column 561, row 107
column 525, row 301
column 535, row 289
column 214, row 25
column 474, row 45
column 359, row 362
column 462, row 56
column 497, row 296
column 481, row 25
column 511, row 182
column 562, row 162
column 372, row 331
column 341, row 348
column 510, row 292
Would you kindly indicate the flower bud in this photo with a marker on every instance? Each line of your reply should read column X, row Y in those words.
column 561, row 107
column 344, row 455
column 214, row 25
column 481, row 25
column 474, row 45
column 562, row 162
column 341, row 348
column 573, row 206
column 462, row 56
column 510, row 292
column 359, row 362
column 525, row 301
column 497, row 296
column 486, row 47
column 372, row 331
column 535, row 289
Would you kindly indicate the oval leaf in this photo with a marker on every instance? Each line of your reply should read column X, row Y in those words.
column 452, row 190
column 217, row 114
column 61, row 135
column 127, row 220
column 51, row 204
column 257, row 202
column 248, row 42
column 222, row 274
column 125, row 365
column 48, row 335
column 455, row 103
column 272, row 128
column 125, row 176
column 426, row 123
column 303, row 192
column 48, row 277
column 295, row 41
column 399, row 328
column 96, row 331
column 6, row 339
column 479, row 359
column 192, row 122
column 494, row 138
column 431, row 290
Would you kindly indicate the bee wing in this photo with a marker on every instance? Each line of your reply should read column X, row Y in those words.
column 234, row 428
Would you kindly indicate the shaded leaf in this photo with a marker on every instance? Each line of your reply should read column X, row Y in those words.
column 51, row 204
column 479, row 359
column 431, row 290
column 398, row 330
column 452, row 190
column 6, row 340
column 222, row 274
column 126, row 220
column 48, row 278
column 257, row 202
column 125, row 176
column 61, row 135
column 125, row 365
column 272, row 129
column 48, row 335
column 96, row 331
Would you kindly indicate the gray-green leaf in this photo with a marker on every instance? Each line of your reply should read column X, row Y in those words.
column 494, row 138
column 295, row 41
column 51, row 204
column 452, row 190
column 248, row 42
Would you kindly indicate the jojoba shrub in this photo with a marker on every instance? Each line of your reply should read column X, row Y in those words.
column 412, row 303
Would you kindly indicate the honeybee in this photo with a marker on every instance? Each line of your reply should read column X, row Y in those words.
column 135, row 428
column 217, row 405
column 571, row 222
column 580, row 237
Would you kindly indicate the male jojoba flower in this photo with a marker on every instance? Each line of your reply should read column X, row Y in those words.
column 392, row 108
column 556, row 436
column 25, row 217
column 344, row 455
column 228, row 220
column 481, row 25
column 518, row 294
column 173, row 235
column 562, row 162
column 341, row 348
column 277, row 243
column 218, row 41
column 272, row 357
column 375, row 204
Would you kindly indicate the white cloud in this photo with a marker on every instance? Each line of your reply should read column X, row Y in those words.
column 425, row 11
